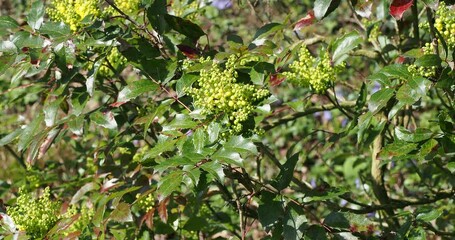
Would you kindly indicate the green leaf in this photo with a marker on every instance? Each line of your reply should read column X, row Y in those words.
column 162, row 146
column 90, row 82
column 56, row 30
column 28, row 135
column 413, row 90
column 213, row 130
column 427, row 147
column 10, row 137
column 199, row 138
column 88, row 187
column 7, row 22
column 322, row 8
column 270, row 213
column 135, row 89
column 185, row 82
column 337, row 220
column 267, row 30
column 419, row 135
column 429, row 215
column 396, row 71
column 379, row 99
column 315, row 232
column 50, row 111
column 122, row 213
column 397, row 107
column 287, row 172
column 241, row 145
column 342, row 46
column 36, row 15
column 294, row 225
column 184, row 27
column 428, row 60
column 195, row 224
column 181, row 121
column 398, row 148
column 228, row 156
column 170, row 183
column 215, row 169
column 104, row 119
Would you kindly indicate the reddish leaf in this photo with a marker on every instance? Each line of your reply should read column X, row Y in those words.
column 305, row 21
column 398, row 7
column 190, row 52
column 162, row 209
column 276, row 79
column 400, row 59
column 117, row 104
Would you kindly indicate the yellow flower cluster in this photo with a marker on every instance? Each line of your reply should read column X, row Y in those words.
column 72, row 12
column 426, row 72
column 307, row 71
column 217, row 91
column 35, row 216
column 445, row 23
column 82, row 222
column 126, row 6
column 145, row 203
column 116, row 59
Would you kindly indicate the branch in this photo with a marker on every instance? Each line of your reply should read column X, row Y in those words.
column 296, row 115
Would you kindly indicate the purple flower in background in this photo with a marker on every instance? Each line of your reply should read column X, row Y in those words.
column 313, row 183
column 222, row 4
column 327, row 115
column 344, row 122
column 376, row 87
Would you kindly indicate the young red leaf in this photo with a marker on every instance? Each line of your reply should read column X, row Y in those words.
column 190, row 52
column 276, row 79
column 305, row 21
column 398, row 7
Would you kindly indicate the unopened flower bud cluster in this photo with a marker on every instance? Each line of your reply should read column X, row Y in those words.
column 145, row 203
column 72, row 12
column 126, row 6
column 426, row 72
column 445, row 23
column 35, row 215
column 308, row 71
column 218, row 91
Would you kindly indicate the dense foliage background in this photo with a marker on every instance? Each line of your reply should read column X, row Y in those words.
column 198, row 119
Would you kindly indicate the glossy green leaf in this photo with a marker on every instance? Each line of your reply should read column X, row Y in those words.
column 228, row 156
column 294, row 225
column 170, row 183
column 342, row 46
column 199, row 139
column 267, row 29
column 59, row 31
column 419, row 135
column 7, row 22
column 398, row 148
column 104, row 119
column 286, row 174
column 184, row 26
column 413, row 90
column 428, row 60
column 136, row 88
column 396, row 71
column 379, row 99
column 10, row 137
column 36, row 15
column 160, row 147
column 429, row 215
column 270, row 213
column 322, row 8
column 241, row 145
column 28, row 135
